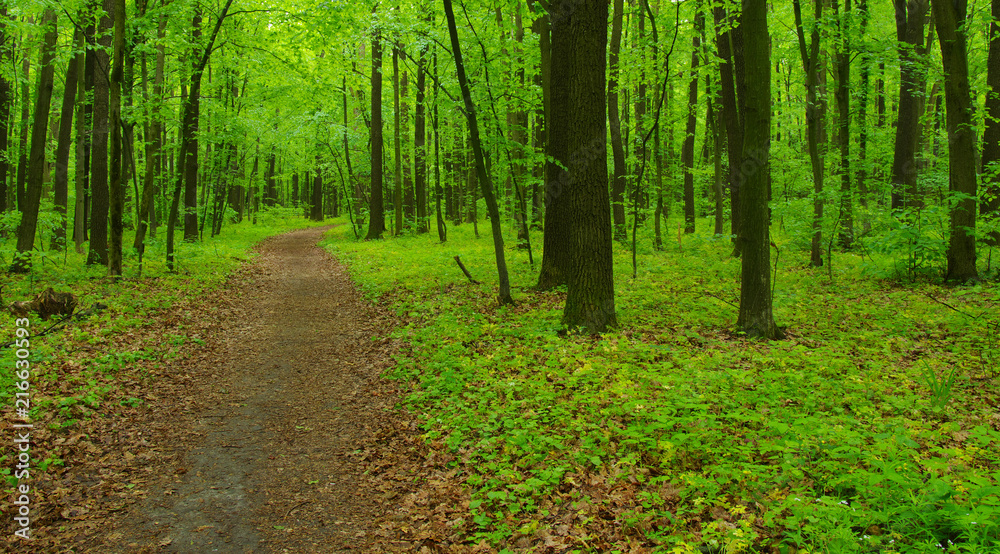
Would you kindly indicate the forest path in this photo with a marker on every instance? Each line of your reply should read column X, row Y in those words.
column 269, row 459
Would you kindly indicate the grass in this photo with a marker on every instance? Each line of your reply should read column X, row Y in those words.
column 872, row 428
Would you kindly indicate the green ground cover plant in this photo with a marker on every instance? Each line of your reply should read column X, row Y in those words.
column 873, row 427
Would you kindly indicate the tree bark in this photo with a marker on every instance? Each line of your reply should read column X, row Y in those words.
column 911, row 15
column 99, row 206
column 618, row 182
column 815, row 116
column 190, row 139
column 578, row 141
column 376, row 210
column 189, row 120
column 317, row 193
column 756, row 319
column 485, row 181
column 5, row 98
column 687, row 150
column 950, row 18
column 397, row 196
column 990, row 206
column 730, row 47
column 153, row 143
column 61, row 181
column 846, row 217
column 36, row 160
column 419, row 144
column 116, row 188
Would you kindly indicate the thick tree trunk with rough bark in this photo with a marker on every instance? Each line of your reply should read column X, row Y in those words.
column 756, row 319
column 950, row 18
column 578, row 140
column 36, row 160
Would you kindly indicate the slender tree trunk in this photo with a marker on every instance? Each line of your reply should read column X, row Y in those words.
column 189, row 121
column 687, row 151
column 116, row 188
column 22, row 161
column 190, row 141
column 843, row 95
column 61, row 181
column 619, row 182
column 5, row 103
column 485, row 181
column 990, row 206
column 730, row 47
column 438, row 192
column 82, row 149
column 397, row 196
column 99, row 169
column 376, row 211
column 317, row 193
column 36, row 161
column 951, row 24
column 862, row 168
column 153, row 142
column 815, row 115
column 911, row 15
column 756, row 319
column 419, row 144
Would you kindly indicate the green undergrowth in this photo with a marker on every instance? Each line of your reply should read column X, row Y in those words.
column 873, row 427
column 75, row 363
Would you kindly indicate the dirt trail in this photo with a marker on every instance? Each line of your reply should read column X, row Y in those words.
column 267, row 460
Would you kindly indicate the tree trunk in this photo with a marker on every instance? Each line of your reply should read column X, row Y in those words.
column 61, row 181
column 419, row 144
column 730, row 47
column 438, row 192
column 190, row 140
column 911, row 15
column 116, row 189
column 950, row 18
column 36, row 160
column 618, row 182
column 862, row 169
column 153, row 142
column 846, row 217
column 990, row 207
column 22, row 161
column 376, row 210
column 815, row 115
column 98, row 253
column 397, row 187
column 756, row 319
column 5, row 98
column 687, row 150
column 485, row 181
column 578, row 141
column 317, row 193
column 189, row 120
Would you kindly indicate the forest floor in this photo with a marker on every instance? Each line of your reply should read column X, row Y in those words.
column 271, row 432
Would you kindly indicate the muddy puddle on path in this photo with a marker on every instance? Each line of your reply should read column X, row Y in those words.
column 266, row 458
